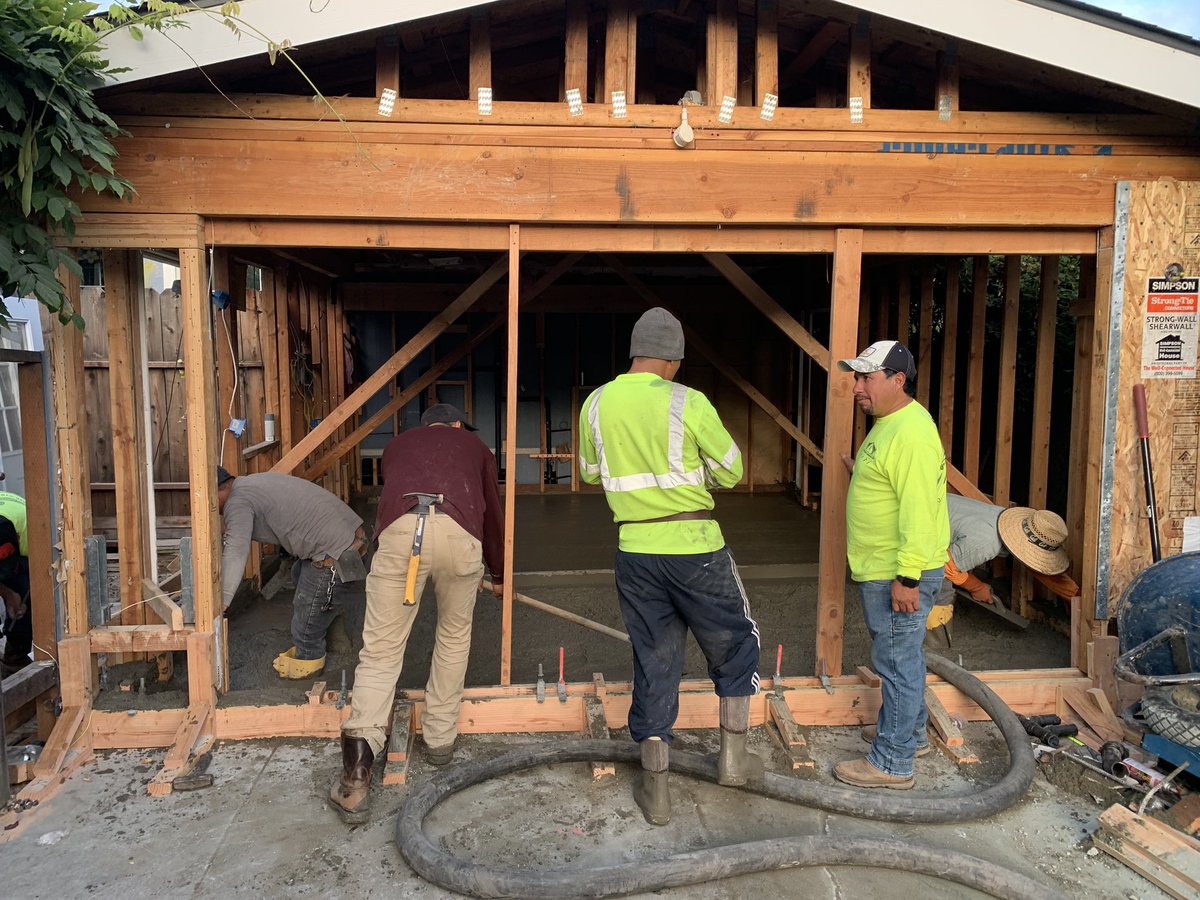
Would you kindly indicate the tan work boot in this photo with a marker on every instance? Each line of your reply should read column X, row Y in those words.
column 860, row 773
column 651, row 791
column 735, row 764
column 869, row 732
column 350, row 795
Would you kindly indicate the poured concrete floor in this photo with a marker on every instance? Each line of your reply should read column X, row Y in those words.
column 263, row 830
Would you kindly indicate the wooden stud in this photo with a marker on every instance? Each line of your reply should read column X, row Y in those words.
column 126, row 348
column 947, row 79
column 226, row 348
column 1084, row 310
column 904, row 307
column 975, row 367
column 945, row 417
column 766, row 50
column 616, row 52
column 597, row 724
column 70, row 729
column 868, row 676
column 1006, row 393
column 202, row 671
column 201, row 438
column 925, row 341
column 193, row 737
column 858, row 79
column 959, row 753
column 575, row 67
column 1102, row 653
column 510, row 449
column 1044, row 383
column 387, row 64
column 864, row 339
column 283, row 356
column 723, row 53
column 839, row 426
column 381, row 376
column 480, row 72
column 70, row 423
column 39, row 520
column 767, row 305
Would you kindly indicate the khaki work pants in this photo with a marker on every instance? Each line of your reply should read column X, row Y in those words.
column 454, row 559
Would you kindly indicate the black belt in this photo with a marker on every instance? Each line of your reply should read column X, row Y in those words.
column 693, row 515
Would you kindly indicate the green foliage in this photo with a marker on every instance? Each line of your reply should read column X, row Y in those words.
column 54, row 139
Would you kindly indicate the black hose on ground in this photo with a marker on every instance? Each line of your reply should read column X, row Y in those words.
column 436, row 865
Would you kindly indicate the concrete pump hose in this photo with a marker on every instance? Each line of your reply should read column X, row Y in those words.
column 436, row 865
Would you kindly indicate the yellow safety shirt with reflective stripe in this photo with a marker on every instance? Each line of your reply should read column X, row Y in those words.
column 656, row 447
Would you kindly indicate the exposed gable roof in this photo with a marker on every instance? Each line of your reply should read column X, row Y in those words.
column 1063, row 33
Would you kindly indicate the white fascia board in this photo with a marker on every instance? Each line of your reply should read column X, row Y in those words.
column 1057, row 39
column 207, row 41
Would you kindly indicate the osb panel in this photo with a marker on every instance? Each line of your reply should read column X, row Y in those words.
column 1161, row 216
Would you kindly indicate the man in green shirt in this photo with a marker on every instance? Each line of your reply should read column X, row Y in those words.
column 897, row 531
column 657, row 447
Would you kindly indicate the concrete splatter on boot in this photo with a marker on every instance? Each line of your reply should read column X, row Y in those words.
column 350, row 795
column 736, row 765
column 650, row 790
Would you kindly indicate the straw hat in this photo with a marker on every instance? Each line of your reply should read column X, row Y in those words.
column 1035, row 537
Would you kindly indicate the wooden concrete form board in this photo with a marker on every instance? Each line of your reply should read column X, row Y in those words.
column 1163, row 230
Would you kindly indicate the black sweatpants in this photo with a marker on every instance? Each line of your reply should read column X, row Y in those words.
column 662, row 596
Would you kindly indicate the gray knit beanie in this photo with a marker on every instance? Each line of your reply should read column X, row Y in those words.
column 657, row 335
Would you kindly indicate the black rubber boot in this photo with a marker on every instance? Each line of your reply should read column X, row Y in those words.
column 651, row 791
column 350, row 795
column 735, row 764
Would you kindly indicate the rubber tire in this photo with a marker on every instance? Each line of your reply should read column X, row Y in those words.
column 1173, row 711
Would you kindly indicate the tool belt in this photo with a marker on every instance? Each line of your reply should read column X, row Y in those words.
column 359, row 546
column 691, row 516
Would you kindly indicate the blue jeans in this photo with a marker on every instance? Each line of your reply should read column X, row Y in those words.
column 898, row 656
column 662, row 598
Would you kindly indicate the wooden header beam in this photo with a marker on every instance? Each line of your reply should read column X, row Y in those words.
column 144, row 231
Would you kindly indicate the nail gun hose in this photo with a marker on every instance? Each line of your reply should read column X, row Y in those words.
column 434, row 864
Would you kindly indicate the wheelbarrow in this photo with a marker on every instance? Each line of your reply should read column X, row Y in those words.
column 1158, row 622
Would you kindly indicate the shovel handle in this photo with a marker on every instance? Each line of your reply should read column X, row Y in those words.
column 1139, row 408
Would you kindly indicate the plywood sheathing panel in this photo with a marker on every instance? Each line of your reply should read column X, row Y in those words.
column 1164, row 221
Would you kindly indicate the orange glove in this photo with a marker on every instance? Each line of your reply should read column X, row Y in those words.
column 979, row 591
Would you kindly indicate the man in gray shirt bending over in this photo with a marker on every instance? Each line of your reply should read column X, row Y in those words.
column 323, row 534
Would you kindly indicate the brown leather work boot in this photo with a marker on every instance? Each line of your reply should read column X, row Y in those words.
column 350, row 795
column 860, row 773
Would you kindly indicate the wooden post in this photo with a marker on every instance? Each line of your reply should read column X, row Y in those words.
column 1084, row 311
column 723, row 55
column 1006, row 394
column 904, row 306
column 616, row 52
column 387, row 64
column 950, row 357
column 766, row 50
column 925, row 341
column 480, row 74
column 839, row 425
column 975, row 367
column 947, row 80
column 227, row 352
column 858, row 79
column 39, row 521
column 202, row 440
column 283, row 355
column 575, row 60
column 510, row 451
column 127, row 367
column 74, row 471
column 1043, row 396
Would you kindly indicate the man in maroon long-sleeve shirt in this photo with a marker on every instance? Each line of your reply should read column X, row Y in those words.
column 461, row 532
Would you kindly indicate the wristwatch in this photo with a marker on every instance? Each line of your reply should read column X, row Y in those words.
column 908, row 582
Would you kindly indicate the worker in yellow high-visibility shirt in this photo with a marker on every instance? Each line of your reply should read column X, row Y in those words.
column 657, row 447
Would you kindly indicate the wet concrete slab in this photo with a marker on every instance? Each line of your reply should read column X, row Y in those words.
column 263, row 828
